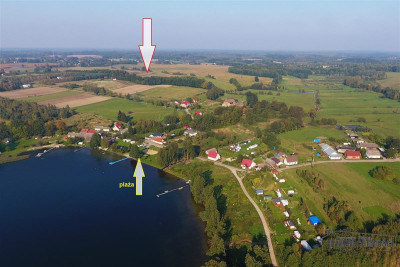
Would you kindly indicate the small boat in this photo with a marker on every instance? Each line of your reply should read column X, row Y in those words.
column 39, row 155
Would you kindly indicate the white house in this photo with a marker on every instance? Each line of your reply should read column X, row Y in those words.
column 190, row 132
column 27, row 85
column 291, row 160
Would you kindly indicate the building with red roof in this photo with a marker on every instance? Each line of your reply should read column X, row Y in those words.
column 198, row 112
column 213, row 155
column 158, row 140
column 352, row 154
column 187, row 127
column 247, row 163
column 185, row 104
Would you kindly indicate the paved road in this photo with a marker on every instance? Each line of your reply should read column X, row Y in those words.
column 263, row 220
column 338, row 161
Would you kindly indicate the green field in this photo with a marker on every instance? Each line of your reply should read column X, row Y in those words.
column 172, row 92
column 347, row 104
column 51, row 96
column 392, row 80
column 109, row 109
column 369, row 198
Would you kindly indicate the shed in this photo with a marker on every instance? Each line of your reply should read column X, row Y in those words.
column 267, row 197
column 259, row 192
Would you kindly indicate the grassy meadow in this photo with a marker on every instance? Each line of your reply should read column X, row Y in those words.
column 109, row 109
column 172, row 92
column 369, row 198
column 51, row 96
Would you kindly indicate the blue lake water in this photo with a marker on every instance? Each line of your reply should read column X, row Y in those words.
column 66, row 209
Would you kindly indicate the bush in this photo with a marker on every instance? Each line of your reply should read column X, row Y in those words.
column 381, row 172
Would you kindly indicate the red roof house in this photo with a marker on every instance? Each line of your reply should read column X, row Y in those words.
column 185, row 104
column 187, row 127
column 199, row 112
column 213, row 155
column 352, row 154
column 247, row 163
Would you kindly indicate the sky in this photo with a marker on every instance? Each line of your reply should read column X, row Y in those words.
column 196, row 25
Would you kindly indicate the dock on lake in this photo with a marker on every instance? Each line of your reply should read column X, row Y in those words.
column 172, row 190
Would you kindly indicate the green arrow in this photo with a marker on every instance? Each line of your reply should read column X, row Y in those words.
column 139, row 174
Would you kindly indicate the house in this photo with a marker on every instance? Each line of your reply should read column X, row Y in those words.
column 117, row 126
column 276, row 202
column 329, row 151
column 367, row 145
column 314, row 220
column 286, row 214
column 229, row 102
column 235, row 148
column 159, row 140
column 290, row 192
column 296, row 235
column 291, row 160
column 278, row 193
column 260, row 166
column 87, row 136
column 277, row 161
column 87, row 131
column 305, row 245
column 252, row 146
column 259, row 192
column 198, row 112
column 195, row 99
column 344, row 148
column 247, row 163
column 271, row 163
column 284, row 202
column 280, row 155
column 156, row 135
column 213, row 155
column 373, row 153
column 190, row 132
column 101, row 129
column 26, row 85
column 352, row 135
column 290, row 225
column 317, row 140
column 187, row 127
column 282, row 180
column 352, row 154
column 186, row 104
column 177, row 102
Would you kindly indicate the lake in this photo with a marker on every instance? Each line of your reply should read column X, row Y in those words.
column 66, row 209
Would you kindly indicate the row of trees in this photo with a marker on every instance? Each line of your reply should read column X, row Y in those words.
column 359, row 82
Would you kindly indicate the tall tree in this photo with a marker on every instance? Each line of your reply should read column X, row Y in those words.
column 95, row 140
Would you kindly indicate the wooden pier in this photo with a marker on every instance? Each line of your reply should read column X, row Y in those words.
column 170, row 191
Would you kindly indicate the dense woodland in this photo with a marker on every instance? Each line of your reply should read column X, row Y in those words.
column 29, row 119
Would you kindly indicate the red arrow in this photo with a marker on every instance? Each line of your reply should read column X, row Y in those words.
column 147, row 48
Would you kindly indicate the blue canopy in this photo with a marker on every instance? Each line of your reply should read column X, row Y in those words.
column 314, row 220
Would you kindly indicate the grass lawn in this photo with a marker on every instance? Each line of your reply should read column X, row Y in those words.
column 172, row 92
column 51, row 96
column 368, row 198
column 109, row 109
